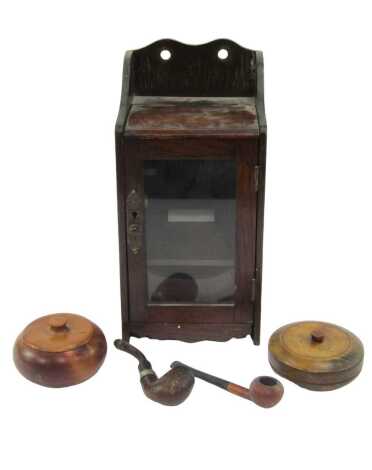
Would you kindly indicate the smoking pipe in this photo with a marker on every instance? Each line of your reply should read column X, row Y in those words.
column 264, row 391
column 171, row 389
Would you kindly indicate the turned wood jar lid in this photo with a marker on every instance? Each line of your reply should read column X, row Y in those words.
column 316, row 355
column 59, row 350
column 58, row 332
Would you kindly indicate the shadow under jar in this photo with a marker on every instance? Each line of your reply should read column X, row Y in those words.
column 190, row 140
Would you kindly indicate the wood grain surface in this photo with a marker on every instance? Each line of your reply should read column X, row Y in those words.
column 60, row 353
column 316, row 355
column 193, row 104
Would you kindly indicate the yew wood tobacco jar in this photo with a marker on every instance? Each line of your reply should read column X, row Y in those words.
column 316, row 355
column 60, row 350
column 190, row 149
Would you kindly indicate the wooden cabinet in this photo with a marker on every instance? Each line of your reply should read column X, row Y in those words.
column 190, row 147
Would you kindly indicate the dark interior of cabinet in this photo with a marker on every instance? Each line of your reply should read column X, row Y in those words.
column 190, row 213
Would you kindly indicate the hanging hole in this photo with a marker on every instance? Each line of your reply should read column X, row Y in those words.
column 165, row 54
column 134, row 214
column 223, row 54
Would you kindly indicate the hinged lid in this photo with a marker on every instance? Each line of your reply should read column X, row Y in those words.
column 58, row 332
column 196, row 116
column 316, row 355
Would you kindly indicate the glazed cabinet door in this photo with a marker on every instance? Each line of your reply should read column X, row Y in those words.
column 191, row 228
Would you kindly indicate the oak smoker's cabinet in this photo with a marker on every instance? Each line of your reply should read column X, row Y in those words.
column 190, row 146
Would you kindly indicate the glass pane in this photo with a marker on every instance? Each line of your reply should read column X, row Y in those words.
column 190, row 230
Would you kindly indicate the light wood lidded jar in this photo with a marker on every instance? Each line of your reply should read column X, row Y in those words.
column 60, row 350
column 316, row 355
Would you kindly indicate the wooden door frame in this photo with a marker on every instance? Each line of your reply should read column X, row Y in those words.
column 244, row 151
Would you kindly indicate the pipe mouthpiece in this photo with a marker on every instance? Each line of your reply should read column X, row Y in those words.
column 118, row 343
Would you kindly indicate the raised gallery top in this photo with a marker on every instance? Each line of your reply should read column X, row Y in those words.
column 151, row 116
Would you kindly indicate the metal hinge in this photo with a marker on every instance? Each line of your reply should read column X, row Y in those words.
column 253, row 289
column 256, row 177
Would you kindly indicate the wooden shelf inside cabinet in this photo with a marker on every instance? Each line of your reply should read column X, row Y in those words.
column 190, row 148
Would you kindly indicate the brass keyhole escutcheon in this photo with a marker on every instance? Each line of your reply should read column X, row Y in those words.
column 134, row 221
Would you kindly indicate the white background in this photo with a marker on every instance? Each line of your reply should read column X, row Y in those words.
column 60, row 78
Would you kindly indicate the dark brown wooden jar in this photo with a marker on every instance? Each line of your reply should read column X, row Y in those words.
column 60, row 350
